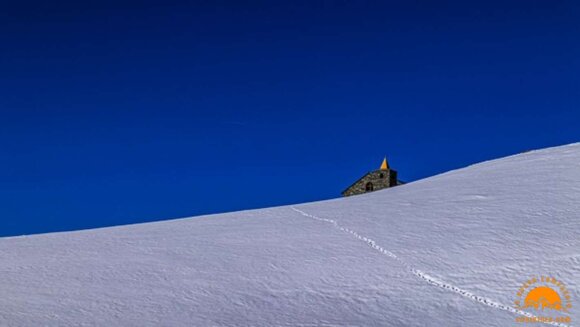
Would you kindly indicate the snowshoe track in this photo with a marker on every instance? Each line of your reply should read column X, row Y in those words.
column 429, row 279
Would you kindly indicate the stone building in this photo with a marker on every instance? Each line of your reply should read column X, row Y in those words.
column 374, row 180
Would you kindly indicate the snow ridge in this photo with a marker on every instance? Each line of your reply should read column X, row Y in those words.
column 429, row 279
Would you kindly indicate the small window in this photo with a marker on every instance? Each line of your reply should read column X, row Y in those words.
column 382, row 175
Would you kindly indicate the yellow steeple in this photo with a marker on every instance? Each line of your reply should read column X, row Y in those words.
column 385, row 164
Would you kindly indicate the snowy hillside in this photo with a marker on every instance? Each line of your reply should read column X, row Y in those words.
column 451, row 250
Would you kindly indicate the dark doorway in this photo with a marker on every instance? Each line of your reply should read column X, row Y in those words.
column 369, row 187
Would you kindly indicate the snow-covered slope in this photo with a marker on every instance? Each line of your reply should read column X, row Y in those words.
column 451, row 250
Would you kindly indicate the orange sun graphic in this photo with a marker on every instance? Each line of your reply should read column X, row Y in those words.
column 543, row 297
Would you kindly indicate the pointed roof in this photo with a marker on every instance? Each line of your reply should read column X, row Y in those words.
column 385, row 164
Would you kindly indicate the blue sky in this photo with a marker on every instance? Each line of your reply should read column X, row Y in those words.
column 118, row 112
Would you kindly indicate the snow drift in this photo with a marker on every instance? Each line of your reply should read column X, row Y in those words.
column 451, row 250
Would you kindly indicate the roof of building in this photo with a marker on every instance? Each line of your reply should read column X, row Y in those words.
column 385, row 164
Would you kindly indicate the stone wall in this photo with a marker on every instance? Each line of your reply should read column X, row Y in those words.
column 379, row 179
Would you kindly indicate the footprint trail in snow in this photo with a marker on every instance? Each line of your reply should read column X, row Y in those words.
column 429, row 279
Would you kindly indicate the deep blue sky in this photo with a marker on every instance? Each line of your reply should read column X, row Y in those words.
column 117, row 112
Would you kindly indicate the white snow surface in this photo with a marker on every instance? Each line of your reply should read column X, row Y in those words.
column 450, row 250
